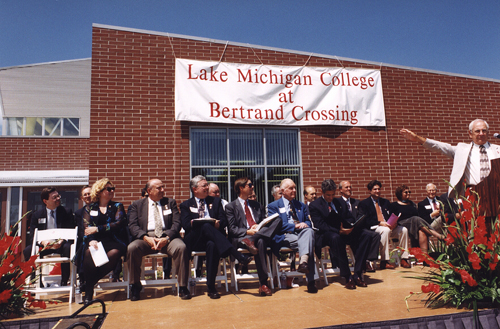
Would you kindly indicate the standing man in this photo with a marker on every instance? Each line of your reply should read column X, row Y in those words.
column 203, row 236
column 154, row 224
column 430, row 209
column 296, row 232
column 471, row 161
column 376, row 210
column 52, row 216
column 309, row 194
column 243, row 216
column 348, row 208
column 331, row 232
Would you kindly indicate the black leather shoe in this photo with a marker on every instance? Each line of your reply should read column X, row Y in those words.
column 303, row 268
column 311, row 287
column 214, row 295
column 184, row 293
column 245, row 260
column 135, row 291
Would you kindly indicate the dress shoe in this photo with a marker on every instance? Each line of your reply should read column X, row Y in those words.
column 135, row 291
column 351, row 284
column 250, row 246
column 369, row 267
column 405, row 264
column 360, row 282
column 245, row 260
column 184, row 293
column 303, row 268
column 311, row 287
column 265, row 291
column 386, row 265
column 214, row 294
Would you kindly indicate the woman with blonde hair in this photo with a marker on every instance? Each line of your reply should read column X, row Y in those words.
column 105, row 222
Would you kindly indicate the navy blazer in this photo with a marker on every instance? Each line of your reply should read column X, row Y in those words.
column 425, row 209
column 64, row 219
column 324, row 219
column 138, row 215
column 343, row 210
column 302, row 216
column 367, row 208
column 215, row 210
column 237, row 219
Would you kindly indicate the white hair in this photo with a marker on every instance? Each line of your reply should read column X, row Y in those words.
column 428, row 186
column 471, row 125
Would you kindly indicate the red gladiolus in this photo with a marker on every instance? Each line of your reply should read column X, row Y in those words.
column 493, row 266
column 431, row 287
column 467, row 278
column 4, row 296
column 487, row 255
column 475, row 260
column 449, row 239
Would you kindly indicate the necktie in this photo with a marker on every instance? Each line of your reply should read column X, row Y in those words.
column 248, row 215
column 436, row 205
column 349, row 205
column 201, row 209
column 52, row 221
column 380, row 216
column 293, row 214
column 484, row 162
column 158, row 224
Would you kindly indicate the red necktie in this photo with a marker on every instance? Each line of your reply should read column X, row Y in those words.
column 248, row 215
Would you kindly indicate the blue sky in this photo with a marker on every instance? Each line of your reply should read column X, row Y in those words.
column 452, row 36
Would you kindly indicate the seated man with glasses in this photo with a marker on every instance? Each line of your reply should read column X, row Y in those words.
column 52, row 216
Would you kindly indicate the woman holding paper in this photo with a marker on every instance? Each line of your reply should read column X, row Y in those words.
column 417, row 227
column 104, row 228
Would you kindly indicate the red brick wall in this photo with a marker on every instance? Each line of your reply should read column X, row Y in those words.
column 134, row 136
column 44, row 154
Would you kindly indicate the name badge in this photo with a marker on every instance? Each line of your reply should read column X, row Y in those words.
column 282, row 210
column 428, row 207
column 42, row 220
column 193, row 209
column 94, row 213
column 167, row 212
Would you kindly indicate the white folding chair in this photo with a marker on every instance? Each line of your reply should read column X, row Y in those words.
column 194, row 280
column 55, row 234
column 235, row 277
column 109, row 285
column 157, row 282
column 325, row 261
column 278, row 264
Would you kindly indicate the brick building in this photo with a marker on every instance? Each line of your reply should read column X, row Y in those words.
column 134, row 135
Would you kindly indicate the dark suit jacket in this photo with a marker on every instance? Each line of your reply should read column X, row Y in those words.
column 302, row 216
column 324, row 219
column 64, row 219
column 424, row 212
column 367, row 208
column 237, row 219
column 215, row 209
column 343, row 210
column 138, row 214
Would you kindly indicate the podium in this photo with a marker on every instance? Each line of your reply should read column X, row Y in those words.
column 489, row 191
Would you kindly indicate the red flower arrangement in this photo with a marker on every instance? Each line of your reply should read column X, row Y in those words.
column 13, row 277
column 466, row 269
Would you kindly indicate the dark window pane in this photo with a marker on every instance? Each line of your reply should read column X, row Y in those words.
column 52, row 127
column 208, row 147
column 256, row 175
column 71, row 127
column 276, row 175
column 282, row 147
column 246, row 147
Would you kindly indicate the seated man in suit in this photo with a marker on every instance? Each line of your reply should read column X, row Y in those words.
column 53, row 215
column 348, row 208
column 154, row 224
column 430, row 209
column 376, row 211
column 296, row 232
column 309, row 194
column 243, row 216
column 203, row 236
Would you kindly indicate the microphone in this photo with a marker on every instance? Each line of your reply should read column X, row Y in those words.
column 496, row 135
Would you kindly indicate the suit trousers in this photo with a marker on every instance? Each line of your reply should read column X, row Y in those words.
column 64, row 251
column 176, row 249
column 400, row 233
column 304, row 242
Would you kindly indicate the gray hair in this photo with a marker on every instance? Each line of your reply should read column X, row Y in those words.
column 274, row 190
column 328, row 185
column 195, row 180
column 428, row 186
column 471, row 125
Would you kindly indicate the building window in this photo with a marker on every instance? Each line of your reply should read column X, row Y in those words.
column 266, row 156
column 41, row 127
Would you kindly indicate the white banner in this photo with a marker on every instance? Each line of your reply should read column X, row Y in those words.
column 278, row 95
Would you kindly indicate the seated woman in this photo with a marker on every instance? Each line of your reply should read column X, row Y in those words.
column 418, row 229
column 105, row 222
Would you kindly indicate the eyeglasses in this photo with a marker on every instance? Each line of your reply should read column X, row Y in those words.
column 110, row 189
column 250, row 185
column 407, row 192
